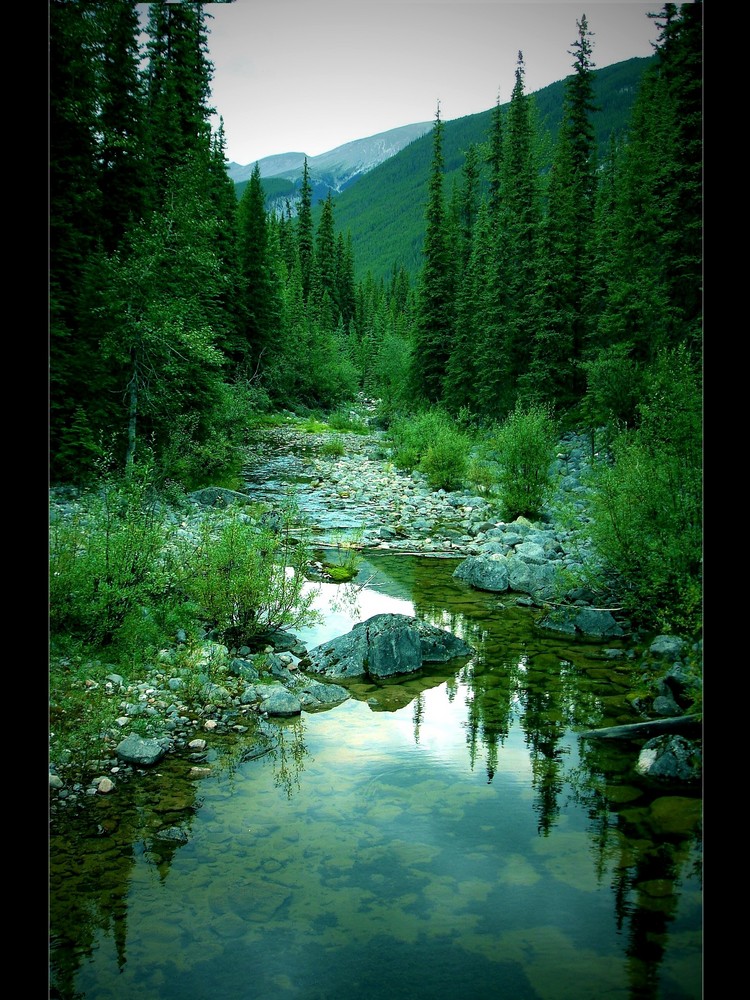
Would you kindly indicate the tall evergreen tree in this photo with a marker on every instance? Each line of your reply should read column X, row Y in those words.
column 305, row 231
column 652, row 254
column 75, row 213
column 325, row 259
column 435, row 317
column 680, row 51
column 565, row 254
column 521, row 221
column 178, row 88
column 158, row 304
column 259, row 288
column 121, row 117
column 345, row 284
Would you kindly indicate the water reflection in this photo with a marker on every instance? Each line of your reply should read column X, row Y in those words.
column 452, row 821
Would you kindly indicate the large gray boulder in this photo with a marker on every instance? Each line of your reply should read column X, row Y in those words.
column 142, row 752
column 488, row 572
column 525, row 571
column 384, row 646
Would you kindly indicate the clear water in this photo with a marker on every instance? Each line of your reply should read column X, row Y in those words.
column 444, row 836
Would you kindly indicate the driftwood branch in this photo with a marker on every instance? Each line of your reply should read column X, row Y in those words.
column 687, row 725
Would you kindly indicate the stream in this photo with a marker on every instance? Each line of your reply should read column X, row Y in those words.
column 444, row 834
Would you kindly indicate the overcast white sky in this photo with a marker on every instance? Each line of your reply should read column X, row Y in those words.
column 310, row 75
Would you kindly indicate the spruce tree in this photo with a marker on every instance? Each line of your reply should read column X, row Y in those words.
column 565, row 259
column 121, row 160
column 651, row 257
column 259, row 290
column 435, row 317
column 305, row 231
column 75, row 226
column 521, row 220
column 325, row 260
column 344, row 277
column 178, row 88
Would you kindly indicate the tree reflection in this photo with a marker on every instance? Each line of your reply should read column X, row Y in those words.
column 288, row 754
column 92, row 854
column 651, row 839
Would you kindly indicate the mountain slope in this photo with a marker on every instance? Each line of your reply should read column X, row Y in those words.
column 384, row 210
column 332, row 171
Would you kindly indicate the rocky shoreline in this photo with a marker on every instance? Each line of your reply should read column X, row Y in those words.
column 363, row 496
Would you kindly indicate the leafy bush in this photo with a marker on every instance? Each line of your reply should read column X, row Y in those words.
column 482, row 475
column 334, row 447
column 647, row 505
column 106, row 562
column 249, row 580
column 445, row 461
column 614, row 385
column 525, row 446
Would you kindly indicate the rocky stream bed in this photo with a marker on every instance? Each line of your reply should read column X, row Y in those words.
column 361, row 500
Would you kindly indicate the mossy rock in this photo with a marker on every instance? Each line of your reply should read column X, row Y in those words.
column 340, row 574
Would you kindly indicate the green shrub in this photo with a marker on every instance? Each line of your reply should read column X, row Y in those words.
column 249, row 580
column 82, row 709
column 412, row 435
column 525, row 446
column 344, row 420
column 647, row 505
column 648, row 531
column 334, row 447
column 106, row 561
column 446, row 458
column 482, row 475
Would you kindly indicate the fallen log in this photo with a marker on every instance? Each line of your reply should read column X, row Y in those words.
column 686, row 725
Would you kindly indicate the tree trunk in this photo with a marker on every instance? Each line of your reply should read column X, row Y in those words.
column 687, row 725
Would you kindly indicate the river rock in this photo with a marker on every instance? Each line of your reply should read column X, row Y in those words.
column 384, row 646
column 142, row 752
column 582, row 621
column 670, row 758
column 280, row 702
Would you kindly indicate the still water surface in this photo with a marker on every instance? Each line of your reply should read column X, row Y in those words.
column 443, row 836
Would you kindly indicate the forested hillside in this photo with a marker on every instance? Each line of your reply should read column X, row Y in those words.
column 384, row 210
column 556, row 268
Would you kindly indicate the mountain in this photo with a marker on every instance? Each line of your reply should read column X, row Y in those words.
column 385, row 210
column 333, row 171
column 381, row 182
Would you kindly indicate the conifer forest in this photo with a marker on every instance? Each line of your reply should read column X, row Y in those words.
column 554, row 279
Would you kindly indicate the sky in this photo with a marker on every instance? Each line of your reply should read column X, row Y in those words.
column 310, row 75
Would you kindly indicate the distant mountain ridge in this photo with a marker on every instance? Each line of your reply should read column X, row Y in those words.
column 381, row 182
column 332, row 171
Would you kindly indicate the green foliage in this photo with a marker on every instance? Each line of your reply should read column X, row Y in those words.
column 525, row 444
column 106, row 563
column 482, row 475
column 431, row 442
column 345, row 420
column 248, row 580
column 343, row 562
column 647, row 506
column 82, row 709
column 444, row 462
column 334, row 447
column 614, row 385
column 380, row 236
